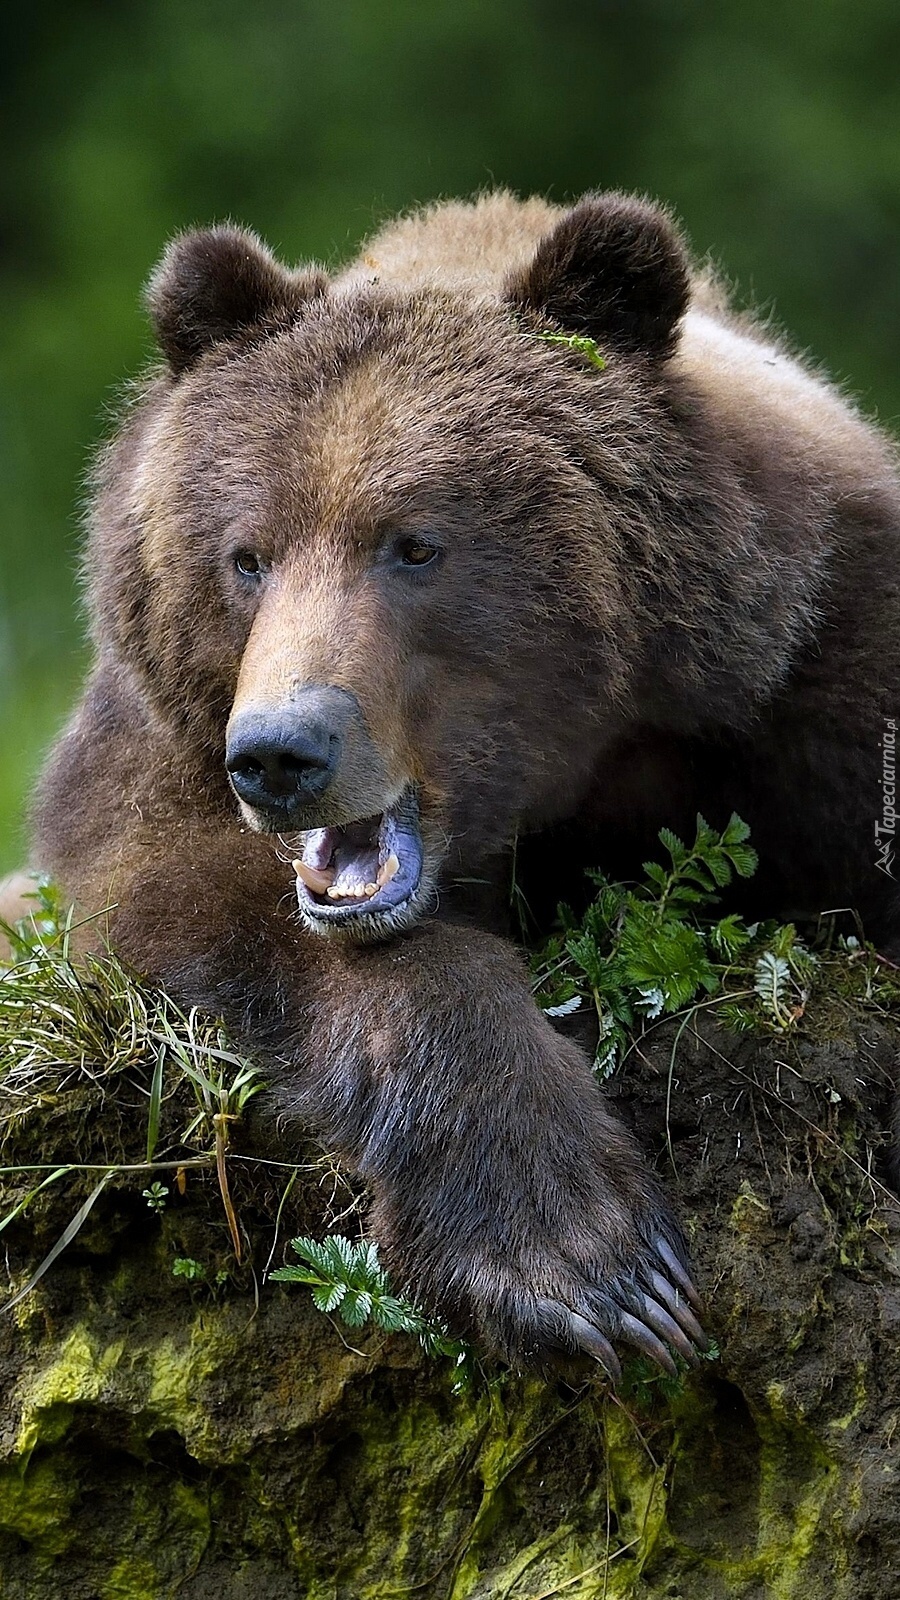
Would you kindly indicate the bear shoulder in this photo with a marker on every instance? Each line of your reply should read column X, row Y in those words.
column 764, row 398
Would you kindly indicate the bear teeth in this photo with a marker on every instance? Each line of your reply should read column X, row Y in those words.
column 321, row 881
column 351, row 891
column 388, row 871
column 317, row 882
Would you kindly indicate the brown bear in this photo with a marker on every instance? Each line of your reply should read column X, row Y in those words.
column 384, row 579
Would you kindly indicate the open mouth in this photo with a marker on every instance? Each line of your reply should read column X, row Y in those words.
column 375, row 865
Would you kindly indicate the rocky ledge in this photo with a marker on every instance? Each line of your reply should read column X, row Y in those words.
column 173, row 1424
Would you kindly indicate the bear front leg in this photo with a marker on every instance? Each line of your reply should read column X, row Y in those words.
column 505, row 1193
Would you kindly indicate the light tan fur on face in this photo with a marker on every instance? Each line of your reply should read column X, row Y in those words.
column 318, row 631
column 358, row 430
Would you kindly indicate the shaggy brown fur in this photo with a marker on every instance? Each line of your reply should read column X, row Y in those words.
column 467, row 583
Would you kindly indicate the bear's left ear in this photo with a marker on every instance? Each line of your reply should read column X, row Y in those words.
column 216, row 283
column 613, row 268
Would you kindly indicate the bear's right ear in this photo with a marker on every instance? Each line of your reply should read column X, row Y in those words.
column 216, row 283
column 614, row 268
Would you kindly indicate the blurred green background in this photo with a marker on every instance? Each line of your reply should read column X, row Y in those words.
column 772, row 128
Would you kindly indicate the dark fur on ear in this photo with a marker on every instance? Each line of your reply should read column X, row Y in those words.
column 613, row 268
column 214, row 284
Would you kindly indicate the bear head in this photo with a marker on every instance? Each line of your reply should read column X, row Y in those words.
column 379, row 556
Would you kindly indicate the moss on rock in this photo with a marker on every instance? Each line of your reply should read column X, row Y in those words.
column 219, row 1438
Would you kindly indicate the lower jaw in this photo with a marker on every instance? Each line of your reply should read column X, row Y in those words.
column 364, row 924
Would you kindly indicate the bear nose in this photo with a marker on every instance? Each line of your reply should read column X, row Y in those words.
column 277, row 760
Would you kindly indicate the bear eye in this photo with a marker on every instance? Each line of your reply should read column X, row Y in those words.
column 247, row 563
column 416, row 551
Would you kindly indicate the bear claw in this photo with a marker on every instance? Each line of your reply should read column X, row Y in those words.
column 662, row 1323
column 674, row 1303
column 590, row 1340
column 677, row 1272
column 654, row 1319
column 644, row 1339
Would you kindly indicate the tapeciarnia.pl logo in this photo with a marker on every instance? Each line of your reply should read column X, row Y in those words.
column 886, row 828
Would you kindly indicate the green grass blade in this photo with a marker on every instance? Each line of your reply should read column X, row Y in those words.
column 153, row 1115
column 59, row 1172
column 64, row 1239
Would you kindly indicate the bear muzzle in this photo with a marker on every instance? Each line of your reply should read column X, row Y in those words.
column 306, row 761
column 278, row 761
column 309, row 767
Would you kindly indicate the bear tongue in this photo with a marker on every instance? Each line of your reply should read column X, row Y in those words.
column 342, row 862
column 356, row 866
column 319, row 847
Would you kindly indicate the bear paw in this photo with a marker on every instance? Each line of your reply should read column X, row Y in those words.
column 561, row 1311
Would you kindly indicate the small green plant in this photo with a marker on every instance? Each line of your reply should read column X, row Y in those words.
column 642, row 1379
column 349, row 1279
column 194, row 1272
column 156, row 1196
column 46, row 925
column 187, row 1267
column 91, row 1022
column 224, row 1084
column 644, row 951
column 784, row 975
